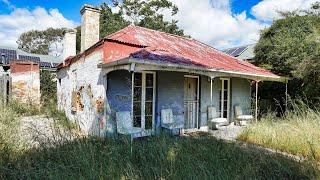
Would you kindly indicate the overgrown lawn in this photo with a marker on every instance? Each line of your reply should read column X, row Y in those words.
column 297, row 133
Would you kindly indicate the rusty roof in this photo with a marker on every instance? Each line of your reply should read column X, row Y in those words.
column 160, row 46
column 142, row 43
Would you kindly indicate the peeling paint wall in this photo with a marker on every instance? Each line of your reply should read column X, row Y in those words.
column 81, row 94
column 170, row 94
column 119, row 95
column 241, row 95
column 25, row 82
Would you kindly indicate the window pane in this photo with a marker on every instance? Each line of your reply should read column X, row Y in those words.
column 137, row 94
column 148, row 108
column 148, row 122
column 149, row 80
column 137, row 108
column 225, row 84
column 225, row 95
column 137, row 79
column 149, row 94
column 225, row 114
column 137, row 121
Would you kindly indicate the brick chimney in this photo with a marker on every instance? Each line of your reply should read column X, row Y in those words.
column 69, row 43
column 90, row 17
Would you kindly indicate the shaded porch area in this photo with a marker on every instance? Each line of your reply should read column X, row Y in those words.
column 145, row 89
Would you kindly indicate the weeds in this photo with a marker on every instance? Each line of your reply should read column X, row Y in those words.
column 298, row 132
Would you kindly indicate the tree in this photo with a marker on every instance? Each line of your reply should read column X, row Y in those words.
column 39, row 42
column 139, row 12
column 149, row 14
column 291, row 47
column 48, row 86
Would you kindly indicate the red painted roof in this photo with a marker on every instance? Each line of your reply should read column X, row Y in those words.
column 142, row 43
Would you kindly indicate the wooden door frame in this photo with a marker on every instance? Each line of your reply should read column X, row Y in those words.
column 198, row 99
column 222, row 97
column 143, row 97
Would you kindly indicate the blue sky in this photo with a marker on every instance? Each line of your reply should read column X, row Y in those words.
column 70, row 8
column 220, row 23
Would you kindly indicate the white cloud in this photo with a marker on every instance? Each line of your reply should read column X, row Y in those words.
column 267, row 10
column 212, row 21
column 21, row 20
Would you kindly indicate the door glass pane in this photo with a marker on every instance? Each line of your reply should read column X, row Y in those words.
column 137, row 108
column 225, row 84
column 137, row 121
column 137, row 94
column 137, row 79
column 225, row 114
column 225, row 95
column 148, row 122
column 149, row 80
column 149, row 94
column 148, row 108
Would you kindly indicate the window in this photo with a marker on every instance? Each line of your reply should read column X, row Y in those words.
column 143, row 100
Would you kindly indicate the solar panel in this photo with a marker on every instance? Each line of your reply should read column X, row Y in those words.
column 238, row 51
column 230, row 51
column 45, row 64
column 8, row 55
column 55, row 65
column 29, row 58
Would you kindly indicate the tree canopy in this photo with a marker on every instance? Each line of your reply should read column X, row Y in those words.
column 291, row 47
column 39, row 42
column 149, row 14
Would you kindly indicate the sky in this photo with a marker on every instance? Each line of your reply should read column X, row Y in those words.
column 220, row 23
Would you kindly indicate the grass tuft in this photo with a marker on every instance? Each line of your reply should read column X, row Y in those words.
column 298, row 133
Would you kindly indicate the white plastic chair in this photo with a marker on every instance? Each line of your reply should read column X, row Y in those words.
column 125, row 124
column 168, row 121
column 214, row 120
column 240, row 117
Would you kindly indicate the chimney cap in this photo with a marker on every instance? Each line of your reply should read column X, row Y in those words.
column 89, row 7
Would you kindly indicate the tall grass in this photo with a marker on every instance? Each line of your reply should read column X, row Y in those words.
column 159, row 157
column 9, row 138
column 298, row 132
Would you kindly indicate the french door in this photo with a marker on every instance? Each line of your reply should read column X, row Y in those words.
column 225, row 98
column 143, row 101
column 191, row 102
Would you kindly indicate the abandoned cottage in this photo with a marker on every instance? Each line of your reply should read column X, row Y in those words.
column 139, row 79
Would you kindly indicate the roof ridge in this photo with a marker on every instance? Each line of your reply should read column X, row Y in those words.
column 163, row 32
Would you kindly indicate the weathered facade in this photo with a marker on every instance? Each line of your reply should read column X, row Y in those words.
column 25, row 82
column 20, row 74
column 143, row 71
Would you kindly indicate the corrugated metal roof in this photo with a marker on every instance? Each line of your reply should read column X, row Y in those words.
column 161, row 46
